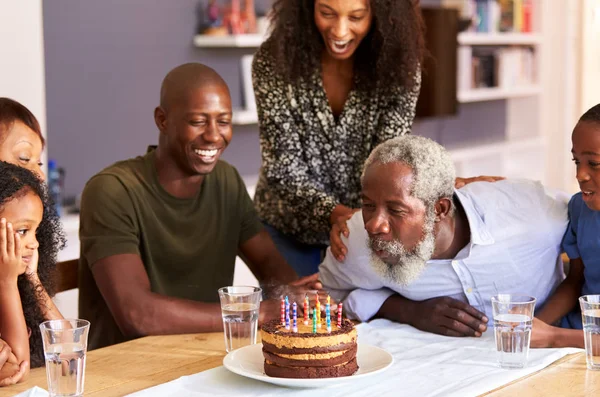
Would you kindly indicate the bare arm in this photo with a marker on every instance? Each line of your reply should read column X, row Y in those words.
column 265, row 262
column 138, row 311
column 565, row 297
column 12, row 321
column 544, row 335
column 10, row 371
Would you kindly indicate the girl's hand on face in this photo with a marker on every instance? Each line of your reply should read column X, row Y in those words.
column 11, row 265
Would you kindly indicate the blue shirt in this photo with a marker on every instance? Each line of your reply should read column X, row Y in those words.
column 516, row 233
column 582, row 240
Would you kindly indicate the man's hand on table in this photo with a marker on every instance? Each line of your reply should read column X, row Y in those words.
column 450, row 317
column 443, row 315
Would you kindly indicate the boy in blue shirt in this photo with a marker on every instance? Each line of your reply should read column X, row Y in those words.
column 581, row 243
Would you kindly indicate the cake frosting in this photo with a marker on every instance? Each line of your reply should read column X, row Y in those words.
column 305, row 354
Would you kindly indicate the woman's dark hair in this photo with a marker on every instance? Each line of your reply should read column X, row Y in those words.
column 11, row 111
column 16, row 182
column 390, row 55
column 592, row 115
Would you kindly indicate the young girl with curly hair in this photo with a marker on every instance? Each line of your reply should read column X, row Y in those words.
column 30, row 238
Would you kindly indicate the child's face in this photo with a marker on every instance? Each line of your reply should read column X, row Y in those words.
column 586, row 155
column 25, row 213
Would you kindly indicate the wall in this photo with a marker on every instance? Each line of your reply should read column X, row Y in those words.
column 105, row 61
column 22, row 52
column 590, row 55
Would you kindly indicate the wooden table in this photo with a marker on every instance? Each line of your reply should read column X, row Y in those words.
column 142, row 363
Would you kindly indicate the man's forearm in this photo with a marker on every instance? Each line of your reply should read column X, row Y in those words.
column 155, row 314
column 398, row 309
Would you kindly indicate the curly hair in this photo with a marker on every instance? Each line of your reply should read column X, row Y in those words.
column 15, row 182
column 390, row 55
column 11, row 111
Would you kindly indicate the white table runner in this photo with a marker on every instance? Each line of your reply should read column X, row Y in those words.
column 425, row 365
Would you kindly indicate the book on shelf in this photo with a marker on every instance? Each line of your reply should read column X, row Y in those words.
column 500, row 16
column 488, row 67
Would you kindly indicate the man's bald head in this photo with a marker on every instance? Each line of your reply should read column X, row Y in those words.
column 186, row 78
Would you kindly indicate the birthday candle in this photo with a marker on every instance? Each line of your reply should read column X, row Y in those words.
column 306, row 313
column 328, row 316
column 314, row 321
column 287, row 313
column 282, row 312
column 340, row 315
column 318, row 312
column 295, row 317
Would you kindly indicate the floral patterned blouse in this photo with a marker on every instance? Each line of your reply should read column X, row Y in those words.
column 312, row 161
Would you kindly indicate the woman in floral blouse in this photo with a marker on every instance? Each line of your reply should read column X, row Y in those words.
column 334, row 79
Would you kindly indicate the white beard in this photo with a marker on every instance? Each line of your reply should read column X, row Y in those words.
column 408, row 266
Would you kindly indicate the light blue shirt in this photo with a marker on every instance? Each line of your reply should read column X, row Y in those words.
column 516, row 232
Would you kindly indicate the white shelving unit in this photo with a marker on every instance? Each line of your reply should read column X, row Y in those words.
column 521, row 151
column 496, row 93
column 470, row 38
column 244, row 117
column 240, row 116
column 238, row 40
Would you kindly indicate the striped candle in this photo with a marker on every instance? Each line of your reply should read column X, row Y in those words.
column 328, row 316
column 282, row 312
column 295, row 317
column 318, row 312
column 315, row 321
column 306, row 310
column 287, row 313
column 340, row 315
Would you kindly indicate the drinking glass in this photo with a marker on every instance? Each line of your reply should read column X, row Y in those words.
column 239, row 307
column 65, row 347
column 590, row 316
column 513, row 316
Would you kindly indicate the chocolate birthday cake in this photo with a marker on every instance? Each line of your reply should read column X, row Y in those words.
column 305, row 354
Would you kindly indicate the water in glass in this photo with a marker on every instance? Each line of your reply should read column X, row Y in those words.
column 591, row 332
column 65, row 369
column 240, row 321
column 513, row 332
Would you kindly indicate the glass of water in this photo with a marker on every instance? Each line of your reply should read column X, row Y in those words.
column 513, row 316
column 239, row 307
column 590, row 315
column 65, row 346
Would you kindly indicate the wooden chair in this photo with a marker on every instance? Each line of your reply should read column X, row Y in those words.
column 67, row 275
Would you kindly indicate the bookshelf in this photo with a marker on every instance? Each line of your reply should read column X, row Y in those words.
column 512, row 103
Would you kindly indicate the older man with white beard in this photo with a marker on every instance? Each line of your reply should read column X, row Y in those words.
column 425, row 254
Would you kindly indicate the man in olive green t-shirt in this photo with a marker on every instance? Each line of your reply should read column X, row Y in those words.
column 160, row 233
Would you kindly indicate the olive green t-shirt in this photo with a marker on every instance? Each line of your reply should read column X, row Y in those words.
column 188, row 246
